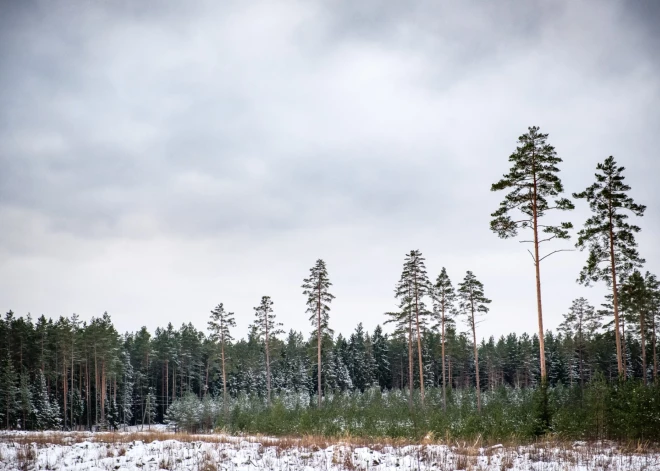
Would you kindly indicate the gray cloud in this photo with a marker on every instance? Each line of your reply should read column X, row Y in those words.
column 158, row 156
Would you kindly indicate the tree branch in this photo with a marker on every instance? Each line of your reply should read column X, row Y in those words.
column 530, row 253
column 555, row 251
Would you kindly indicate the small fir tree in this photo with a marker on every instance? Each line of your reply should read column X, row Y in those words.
column 582, row 321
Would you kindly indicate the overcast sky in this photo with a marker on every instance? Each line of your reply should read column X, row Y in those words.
column 158, row 158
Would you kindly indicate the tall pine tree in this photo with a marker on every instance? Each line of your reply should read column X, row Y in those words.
column 609, row 237
column 473, row 303
column 219, row 324
column 317, row 290
column 533, row 181
column 443, row 308
column 412, row 288
column 267, row 328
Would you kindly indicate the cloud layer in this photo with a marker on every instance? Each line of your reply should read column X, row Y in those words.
column 158, row 158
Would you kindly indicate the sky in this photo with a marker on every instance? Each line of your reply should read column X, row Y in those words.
column 160, row 157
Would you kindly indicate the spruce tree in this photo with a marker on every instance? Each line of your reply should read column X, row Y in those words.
column 473, row 303
column 581, row 321
column 443, row 308
column 267, row 329
column 380, row 349
column 413, row 286
column 609, row 237
column 9, row 406
column 219, row 324
column 533, row 181
column 317, row 289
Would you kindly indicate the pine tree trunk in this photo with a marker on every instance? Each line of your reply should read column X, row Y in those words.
column 537, row 266
column 653, row 343
column 410, row 364
column 167, row 385
column 64, row 388
column 476, row 357
column 419, row 342
column 615, row 299
column 224, row 376
column 444, row 383
column 318, row 336
column 267, row 359
column 642, row 326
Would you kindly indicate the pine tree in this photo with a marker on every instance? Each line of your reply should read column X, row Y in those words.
column 533, row 179
column 413, row 286
column 608, row 236
column 219, row 325
column 317, row 290
column 473, row 303
column 634, row 301
column 653, row 290
column 267, row 328
column 443, row 308
column 582, row 321
column 9, row 406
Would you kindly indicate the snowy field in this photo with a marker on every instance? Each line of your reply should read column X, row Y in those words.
column 157, row 450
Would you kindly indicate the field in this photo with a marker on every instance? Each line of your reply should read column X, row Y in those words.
column 155, row 450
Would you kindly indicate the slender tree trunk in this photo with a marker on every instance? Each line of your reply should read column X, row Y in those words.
column 642, row 322
column 318, row 335
column 419, row 342
column 476, row 357
column 64, row 388
column 96, row 386
column 267, row 359
column 224, row 376
column 410, row 364
column 103, row 390
column 444, row 383
column 167, row 385
column 71, row 421
column 537, row 266
column 655, row 354
column 615, row 300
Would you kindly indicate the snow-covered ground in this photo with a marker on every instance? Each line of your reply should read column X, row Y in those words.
column 25, row 451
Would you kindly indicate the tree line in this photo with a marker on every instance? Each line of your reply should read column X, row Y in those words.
column 68, row 373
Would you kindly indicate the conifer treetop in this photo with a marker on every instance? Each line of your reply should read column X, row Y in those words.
column 610, row 204
column 534, row 184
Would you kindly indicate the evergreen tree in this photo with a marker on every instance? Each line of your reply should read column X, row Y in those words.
column 443, row 308
column 25, row 399
column 413, row 286
column 380, row 351
column 219, row 324
column 267, row 328
column 473, row 303
column 9, row 405
column 609, row 237
column 583, row 321
column 317, row 290
column 634, row 301
column 532, row 180
column 653, row 290
column 45, row 412
column 126, row 395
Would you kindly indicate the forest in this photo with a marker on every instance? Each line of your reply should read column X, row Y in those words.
column 596, row 376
